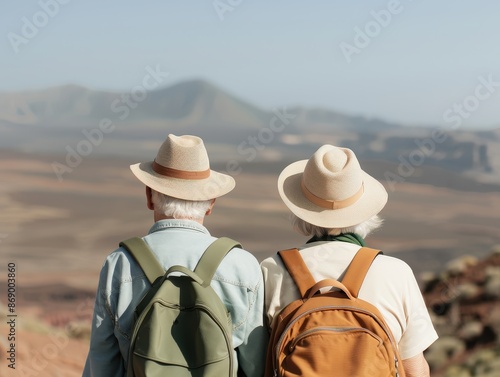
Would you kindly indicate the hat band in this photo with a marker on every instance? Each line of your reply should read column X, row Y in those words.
column 182, row 174
column 331, row 204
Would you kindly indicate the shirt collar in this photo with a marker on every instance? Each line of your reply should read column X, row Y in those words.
column 176, row 223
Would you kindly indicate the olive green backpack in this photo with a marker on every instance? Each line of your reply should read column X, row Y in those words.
column 182, row 327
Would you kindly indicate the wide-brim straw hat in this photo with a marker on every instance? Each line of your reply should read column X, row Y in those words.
column 181, row 170
column 331, row 190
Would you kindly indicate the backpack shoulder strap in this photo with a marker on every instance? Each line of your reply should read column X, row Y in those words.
column 145, row 257
column 211, row 258
column 359, row 266
column 298, row 270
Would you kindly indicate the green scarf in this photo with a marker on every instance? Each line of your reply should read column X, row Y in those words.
column 346, row 237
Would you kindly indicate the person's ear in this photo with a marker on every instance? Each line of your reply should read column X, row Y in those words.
column 149, row 197
column 209, row 210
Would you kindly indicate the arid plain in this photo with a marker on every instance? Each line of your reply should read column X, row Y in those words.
column 58, row 234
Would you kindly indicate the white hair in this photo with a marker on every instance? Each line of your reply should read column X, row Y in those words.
column 363, row 229
column 179, row 208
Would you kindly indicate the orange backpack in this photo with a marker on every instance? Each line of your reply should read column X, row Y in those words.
column 333, row 333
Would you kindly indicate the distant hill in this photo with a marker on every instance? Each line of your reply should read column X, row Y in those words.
column 56, row 105
column 319, row 120
column 189, row 103
column 49, row 120
column 193, row 102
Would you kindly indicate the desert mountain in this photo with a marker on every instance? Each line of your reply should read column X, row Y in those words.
column 192, row 102
column 52, row 119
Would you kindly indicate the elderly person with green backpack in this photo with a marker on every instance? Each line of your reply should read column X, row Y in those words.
column 179, row 301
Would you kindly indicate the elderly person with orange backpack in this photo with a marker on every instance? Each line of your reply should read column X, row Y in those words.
column 336, row 203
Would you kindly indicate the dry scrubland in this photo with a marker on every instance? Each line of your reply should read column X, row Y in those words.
column 464, row 302
column 58, row 234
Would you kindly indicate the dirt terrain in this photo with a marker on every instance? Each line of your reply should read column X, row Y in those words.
column 58, row 234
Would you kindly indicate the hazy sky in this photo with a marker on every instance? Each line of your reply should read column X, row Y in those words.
column 405, row 61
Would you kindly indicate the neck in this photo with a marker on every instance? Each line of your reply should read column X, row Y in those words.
column 344, row 237
column 159, row 216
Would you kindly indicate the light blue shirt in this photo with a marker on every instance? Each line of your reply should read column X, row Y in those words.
column 122, row 284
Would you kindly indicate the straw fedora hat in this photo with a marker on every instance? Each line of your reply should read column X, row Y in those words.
column 181, row 170
column 330, row 189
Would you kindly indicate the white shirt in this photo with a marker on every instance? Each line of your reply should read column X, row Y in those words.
column 389, row 285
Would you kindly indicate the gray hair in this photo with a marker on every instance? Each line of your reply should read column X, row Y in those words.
column 362, row 229
column 179, row 208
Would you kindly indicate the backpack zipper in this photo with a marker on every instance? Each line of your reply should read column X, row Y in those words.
column 228, row 337
column 334, row 330
column 388, row 332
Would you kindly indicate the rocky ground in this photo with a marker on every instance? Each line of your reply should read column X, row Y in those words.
column 464, row 301
column 40, row 350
